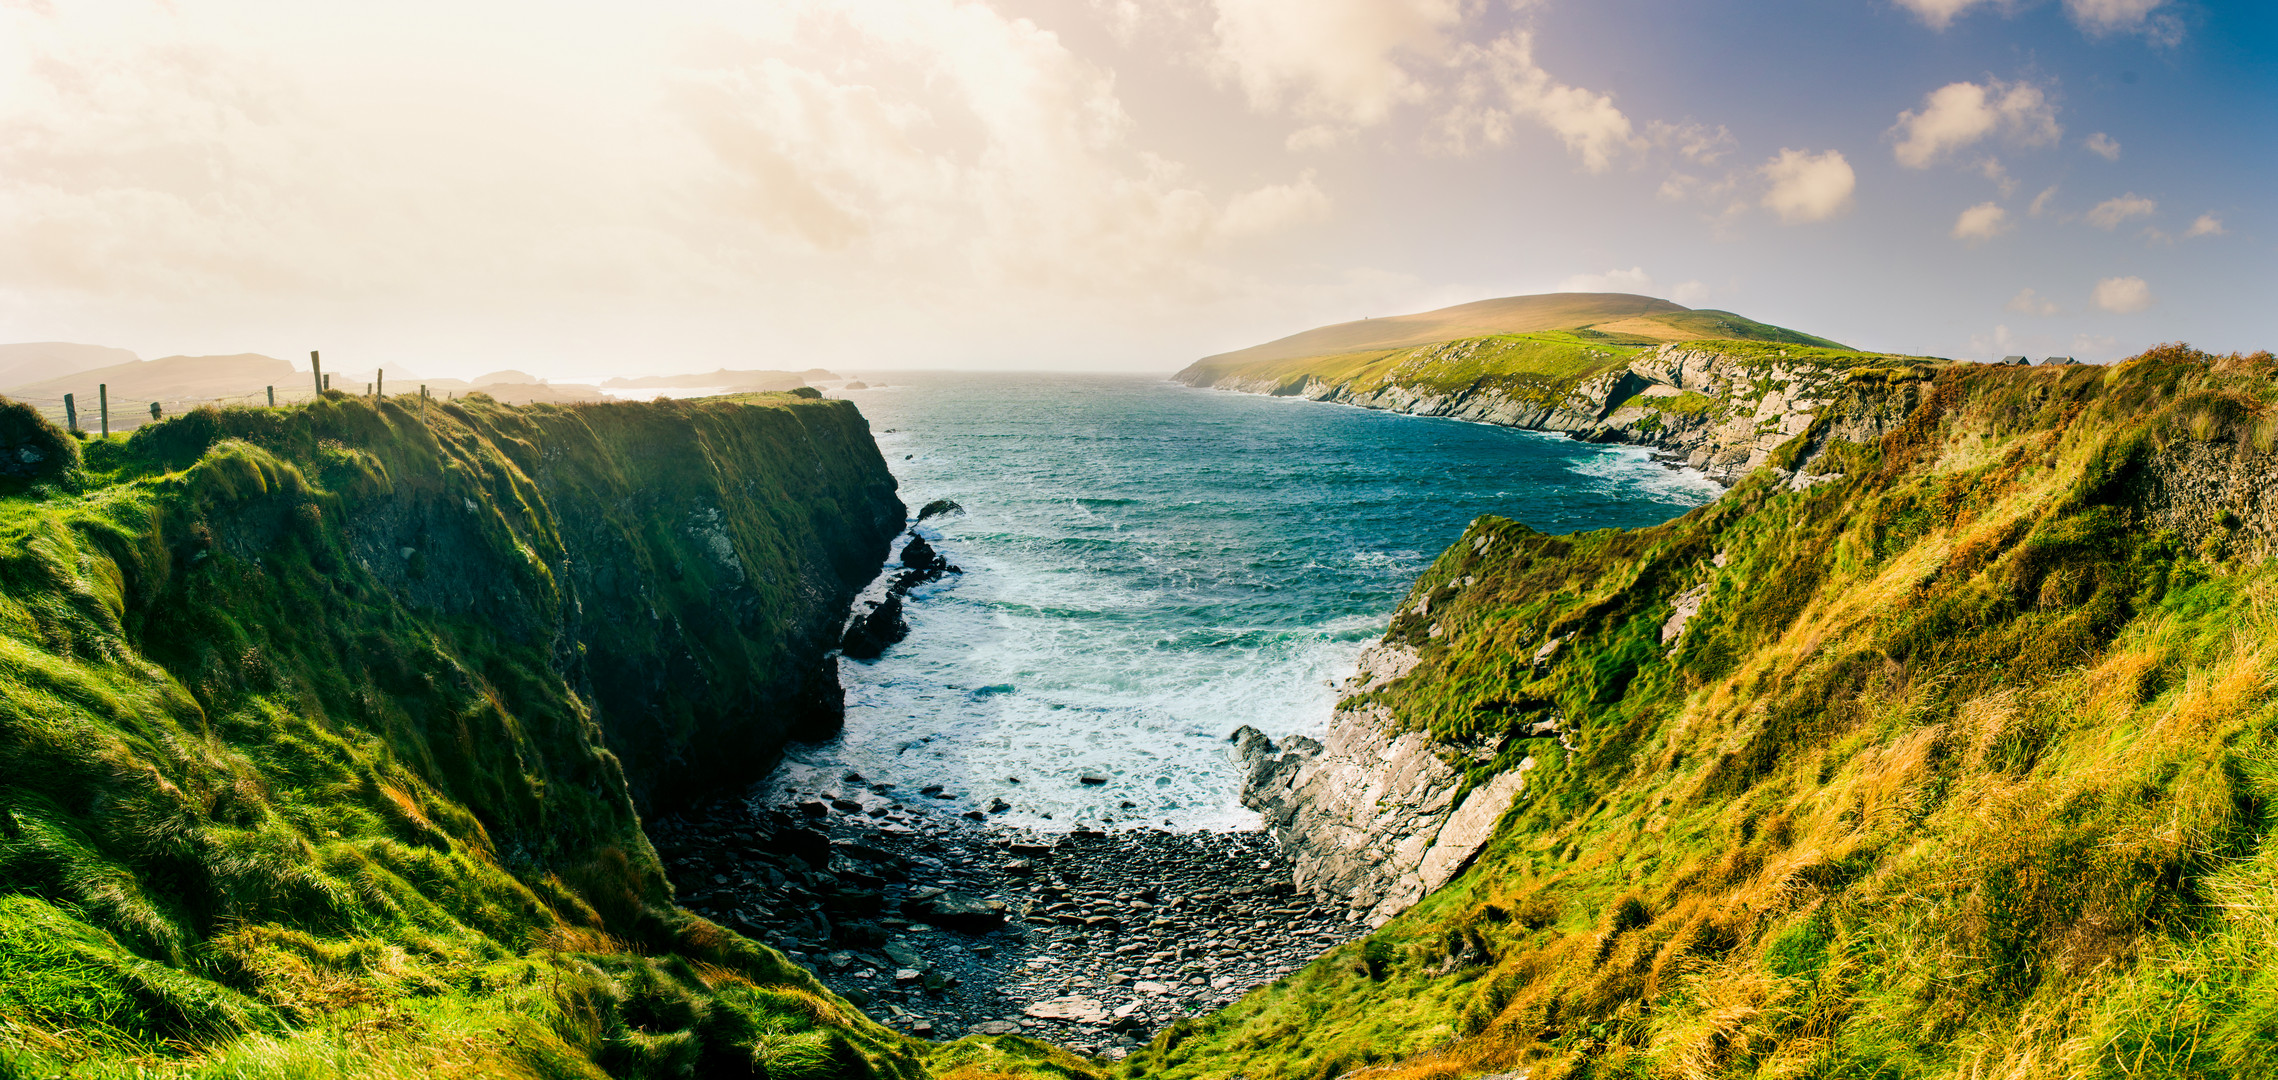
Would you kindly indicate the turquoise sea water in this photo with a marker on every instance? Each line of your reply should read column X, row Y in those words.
column 1149, row 566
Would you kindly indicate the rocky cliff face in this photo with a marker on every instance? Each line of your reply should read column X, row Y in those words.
column 1716, row 410
column 1378, row 813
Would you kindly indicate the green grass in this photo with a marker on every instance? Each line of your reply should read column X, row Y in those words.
column 1965, row 768
column 322, row 729
column 1543, row 368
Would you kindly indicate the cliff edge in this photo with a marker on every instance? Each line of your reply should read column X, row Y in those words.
column 1939, row 746
column 324, row 732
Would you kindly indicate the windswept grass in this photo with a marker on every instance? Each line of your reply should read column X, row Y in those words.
column 316, row 725
column 1964, row 768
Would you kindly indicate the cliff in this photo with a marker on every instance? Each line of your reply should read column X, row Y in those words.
column 1939, row 746
column 1720, row 406
column 323, row 731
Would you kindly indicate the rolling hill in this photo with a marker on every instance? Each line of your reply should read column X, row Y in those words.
column 1617, row 318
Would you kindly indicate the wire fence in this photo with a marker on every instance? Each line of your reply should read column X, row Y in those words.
column 128, row 411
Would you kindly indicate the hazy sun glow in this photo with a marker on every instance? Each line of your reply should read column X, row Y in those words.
column 604, row 187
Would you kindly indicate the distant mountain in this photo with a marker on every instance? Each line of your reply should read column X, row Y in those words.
column 36, row 360
column 1614, row 318
column 737, row 381
column 170, row 378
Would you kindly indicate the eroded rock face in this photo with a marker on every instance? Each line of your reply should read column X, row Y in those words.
column 1754, row 404
column 1369, row 815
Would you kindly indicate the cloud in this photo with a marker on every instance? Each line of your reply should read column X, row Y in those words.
column 2110, row 213
column 2206, row 225
column 1992, row 169
column 1981, row 223
column 2028, row 302
column 1961, row 114
column 1343, row 61
column 2122, row 295
column 775, row 169
column 1502, row 84
column 2041, row 202
column 1690, row 293
column 2103, row 146
column 2096, row 17
column 1938, row 14
column 1808, row 187
column 1632, row 280
column 2099, row 17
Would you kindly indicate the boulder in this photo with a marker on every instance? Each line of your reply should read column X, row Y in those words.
column 956, row 911
column 869, row 633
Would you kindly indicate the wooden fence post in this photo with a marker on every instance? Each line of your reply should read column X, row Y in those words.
column 154, row 410
column 380, row 383
column 103, row 401
column 272, row 397
column 70, row 415
column 316, row 369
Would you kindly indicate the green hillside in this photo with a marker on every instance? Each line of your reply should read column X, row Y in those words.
column 1573, row 327
column 314, row 753
column 1965, row 767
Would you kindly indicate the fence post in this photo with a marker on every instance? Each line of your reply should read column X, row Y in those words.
column 380, row 383
column 70, row 415
column 154, row 410
column 316, row 369
column 103, row 401
column 272, row 397
column 327, row 384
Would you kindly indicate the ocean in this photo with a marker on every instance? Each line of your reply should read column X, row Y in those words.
column 1148, row 567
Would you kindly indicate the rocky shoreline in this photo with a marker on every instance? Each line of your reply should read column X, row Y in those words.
column 941, row 925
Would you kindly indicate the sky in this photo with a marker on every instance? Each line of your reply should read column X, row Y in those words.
column 586, row 188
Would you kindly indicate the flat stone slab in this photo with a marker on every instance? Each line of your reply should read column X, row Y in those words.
column 1082, row 1010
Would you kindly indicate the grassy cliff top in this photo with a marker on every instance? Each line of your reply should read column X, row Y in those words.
column 306, row 757
column 1964, row 765
column 1619, row 319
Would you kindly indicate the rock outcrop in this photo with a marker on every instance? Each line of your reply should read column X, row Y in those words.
column 1715, row 411
column 1373, row 818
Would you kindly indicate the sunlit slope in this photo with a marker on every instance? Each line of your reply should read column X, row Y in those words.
column 1616, row 321
column 1965, row 766
column 321, row 730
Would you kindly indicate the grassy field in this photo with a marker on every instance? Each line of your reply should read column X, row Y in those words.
column 1614, row 319
column 1963, row 769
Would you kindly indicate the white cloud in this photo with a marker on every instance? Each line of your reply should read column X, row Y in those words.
column 1992, row 169
column 2206, row 225
column 2103, row 146
column 2097, row 17
column 2041, row 202
column 1981, row 223
column 1960, row 114
column 764, row 167
column 1690, row 293
column 2110, row 213
column 1502, row 84
column 1632, row 280
column 1938, row 14
column 2134, row 16
column 1344, row 61
column 2122, row 295
column 2028, row 302
column 1808, row 187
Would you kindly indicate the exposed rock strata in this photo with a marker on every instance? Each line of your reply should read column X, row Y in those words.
column 1754, row 404
column 1370, row 816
